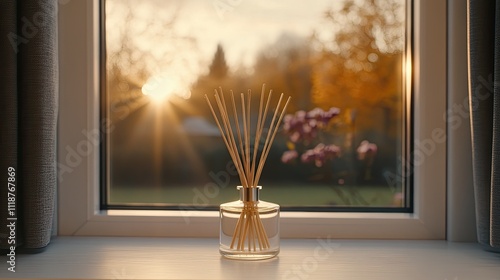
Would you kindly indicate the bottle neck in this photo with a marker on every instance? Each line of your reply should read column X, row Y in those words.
column 249, row 194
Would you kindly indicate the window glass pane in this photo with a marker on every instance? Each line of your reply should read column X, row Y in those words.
column 342, row 143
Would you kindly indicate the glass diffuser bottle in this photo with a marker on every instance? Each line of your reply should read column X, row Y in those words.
column 249, row 227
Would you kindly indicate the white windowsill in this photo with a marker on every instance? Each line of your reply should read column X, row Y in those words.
column 172, row 258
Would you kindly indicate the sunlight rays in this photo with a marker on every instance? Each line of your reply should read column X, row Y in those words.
column 172, row 149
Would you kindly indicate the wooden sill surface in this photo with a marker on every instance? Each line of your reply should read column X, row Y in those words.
column 191, row 258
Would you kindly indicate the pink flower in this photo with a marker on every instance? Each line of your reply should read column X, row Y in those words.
column 316, row 113
column 332, row 151
column 320, row 154
column 305, row 126
column 323, row 116
column 301, row 115
column 308, row 156
column 331, row 113
column 295, row 137
column 289, row 156
column 366, row 150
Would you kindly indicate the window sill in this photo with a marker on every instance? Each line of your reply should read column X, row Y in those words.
column 204, row 224
column 183, row 258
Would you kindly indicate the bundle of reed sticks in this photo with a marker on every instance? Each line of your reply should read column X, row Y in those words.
column 249, row 229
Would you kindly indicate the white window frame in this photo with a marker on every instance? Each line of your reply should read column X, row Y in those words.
column 78, row 191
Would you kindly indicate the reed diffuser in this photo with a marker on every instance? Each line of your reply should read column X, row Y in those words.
column 249, row 227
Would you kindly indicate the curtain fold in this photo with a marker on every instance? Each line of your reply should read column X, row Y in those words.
column 484, row 97
column 28, row 113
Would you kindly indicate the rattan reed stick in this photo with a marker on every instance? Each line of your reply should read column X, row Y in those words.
column 249, row 233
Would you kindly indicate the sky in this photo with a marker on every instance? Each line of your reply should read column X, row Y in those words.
column 243, row 27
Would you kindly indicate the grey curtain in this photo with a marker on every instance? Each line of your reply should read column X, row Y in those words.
column 484, row 97
column 28, row 118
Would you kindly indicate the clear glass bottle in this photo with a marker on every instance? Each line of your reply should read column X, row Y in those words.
column 249, row 227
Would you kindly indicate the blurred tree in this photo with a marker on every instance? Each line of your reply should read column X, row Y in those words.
column 218, row 69
column 359, row 66
column 130, row 62
column 218, row 76
column 126, row 72
column 285, row 66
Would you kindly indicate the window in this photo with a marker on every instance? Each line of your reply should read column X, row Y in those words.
column 343, row 143
column 79, row 186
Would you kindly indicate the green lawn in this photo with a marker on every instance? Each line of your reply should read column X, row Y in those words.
column 290, row 195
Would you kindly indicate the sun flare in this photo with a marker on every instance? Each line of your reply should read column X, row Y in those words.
column 163, row 87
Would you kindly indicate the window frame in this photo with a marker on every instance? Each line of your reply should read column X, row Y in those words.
column 78, row 196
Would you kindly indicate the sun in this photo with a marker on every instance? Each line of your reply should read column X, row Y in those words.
column 159, row 87
column 162, row 87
